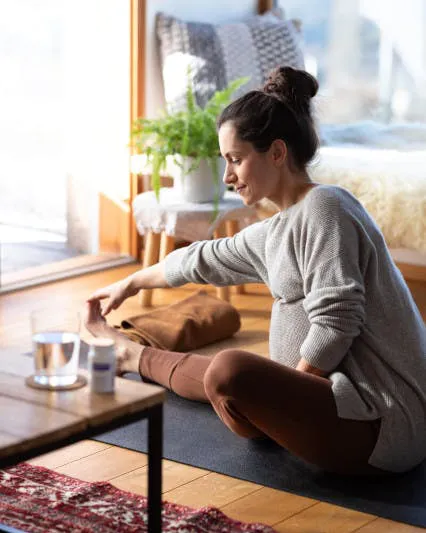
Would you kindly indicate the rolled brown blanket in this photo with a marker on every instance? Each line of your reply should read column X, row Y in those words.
column 196, row 321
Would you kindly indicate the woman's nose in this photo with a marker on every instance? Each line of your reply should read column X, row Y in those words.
column 227, row 176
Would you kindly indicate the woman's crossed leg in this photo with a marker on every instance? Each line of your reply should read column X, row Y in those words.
column 254, row 397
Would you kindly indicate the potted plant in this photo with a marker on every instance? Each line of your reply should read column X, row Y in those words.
column 190, row 139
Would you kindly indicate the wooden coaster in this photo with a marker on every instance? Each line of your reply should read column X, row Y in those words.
column 81, row 381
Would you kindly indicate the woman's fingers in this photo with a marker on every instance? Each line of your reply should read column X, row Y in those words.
column 113, row 292
column 99, row 295
column 114, row 303
column 111, row 304
column 109, row 307
column 106, row 309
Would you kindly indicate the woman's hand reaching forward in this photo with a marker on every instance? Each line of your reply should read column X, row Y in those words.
column 115, row 294
column 148, row 278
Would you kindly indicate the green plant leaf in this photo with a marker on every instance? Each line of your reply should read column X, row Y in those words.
column 189, row 133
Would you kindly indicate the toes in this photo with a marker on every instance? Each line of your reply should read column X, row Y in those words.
column 93, row 309
column 89, row 313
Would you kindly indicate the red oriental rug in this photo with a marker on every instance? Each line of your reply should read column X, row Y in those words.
column 37, row 500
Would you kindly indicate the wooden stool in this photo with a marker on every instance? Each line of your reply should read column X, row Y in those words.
column 158, row 245
column 188, row 222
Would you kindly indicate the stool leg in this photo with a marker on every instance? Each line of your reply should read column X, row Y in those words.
column 221, row 292
column 232, row 227
column 151, row 255
column 167, row 245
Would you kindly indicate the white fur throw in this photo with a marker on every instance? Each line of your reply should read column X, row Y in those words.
column 390, row 184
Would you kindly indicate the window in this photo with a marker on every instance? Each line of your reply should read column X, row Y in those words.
column 368, row 55
column 64, row 107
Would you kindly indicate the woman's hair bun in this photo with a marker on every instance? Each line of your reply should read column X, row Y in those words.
column 293, row 86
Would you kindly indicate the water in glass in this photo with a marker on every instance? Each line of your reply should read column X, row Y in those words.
column 56, row 355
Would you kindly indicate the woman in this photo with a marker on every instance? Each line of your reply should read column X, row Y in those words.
column 345, row 388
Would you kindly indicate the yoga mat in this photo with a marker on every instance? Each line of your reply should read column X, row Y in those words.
column 194, row 435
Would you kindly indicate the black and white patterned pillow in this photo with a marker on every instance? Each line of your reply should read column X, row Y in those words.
column 218, row 54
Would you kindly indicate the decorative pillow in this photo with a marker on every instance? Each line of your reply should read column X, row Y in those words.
column 218, row 54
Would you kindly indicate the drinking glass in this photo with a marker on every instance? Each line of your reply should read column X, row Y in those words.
column 56, row 346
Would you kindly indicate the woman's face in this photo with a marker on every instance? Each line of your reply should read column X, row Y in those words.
column 250, row 172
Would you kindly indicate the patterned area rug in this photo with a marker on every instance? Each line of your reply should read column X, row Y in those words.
column 37, row 500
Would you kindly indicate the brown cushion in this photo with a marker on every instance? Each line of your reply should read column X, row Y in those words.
column 186, row 325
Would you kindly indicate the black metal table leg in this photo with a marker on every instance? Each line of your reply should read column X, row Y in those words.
column 155, row 455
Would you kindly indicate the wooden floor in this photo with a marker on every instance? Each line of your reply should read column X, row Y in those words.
column 94, row 461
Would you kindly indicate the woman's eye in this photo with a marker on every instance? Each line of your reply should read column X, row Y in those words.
column 235, row 161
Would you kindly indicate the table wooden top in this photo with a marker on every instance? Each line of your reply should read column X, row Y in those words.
column 31, row 418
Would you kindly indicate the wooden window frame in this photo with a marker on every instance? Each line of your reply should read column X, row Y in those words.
column 137, row 103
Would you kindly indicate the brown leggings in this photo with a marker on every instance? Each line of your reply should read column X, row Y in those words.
column 255, row 396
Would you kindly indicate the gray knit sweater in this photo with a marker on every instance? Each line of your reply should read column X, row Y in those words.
column 340, row 302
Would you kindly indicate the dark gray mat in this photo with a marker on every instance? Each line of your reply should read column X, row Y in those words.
column 194, row 435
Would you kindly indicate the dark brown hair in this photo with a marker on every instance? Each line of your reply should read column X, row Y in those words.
column 281, row 110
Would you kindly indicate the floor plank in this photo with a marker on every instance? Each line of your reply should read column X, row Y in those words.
column 69, row 454
column 268, row 506
column 381, row 525
column 104, row 465
column 212, row 489
column 324, row 518
column 174, row 475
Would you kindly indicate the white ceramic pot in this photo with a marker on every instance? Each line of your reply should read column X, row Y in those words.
column 198, row 185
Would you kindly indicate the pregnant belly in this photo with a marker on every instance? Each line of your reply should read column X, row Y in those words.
column 288, row 330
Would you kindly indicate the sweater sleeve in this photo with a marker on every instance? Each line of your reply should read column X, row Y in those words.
column 333, row 250
column 228, row 261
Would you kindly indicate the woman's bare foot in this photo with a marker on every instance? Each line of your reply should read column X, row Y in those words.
column 94, row 321
column 127, row 352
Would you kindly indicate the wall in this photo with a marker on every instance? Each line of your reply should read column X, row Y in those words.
column 96, row 115
column 215, row 12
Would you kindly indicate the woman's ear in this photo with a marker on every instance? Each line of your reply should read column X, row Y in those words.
column 279, row 152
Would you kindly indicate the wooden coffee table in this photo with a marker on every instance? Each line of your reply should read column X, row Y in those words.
column 34, row 422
